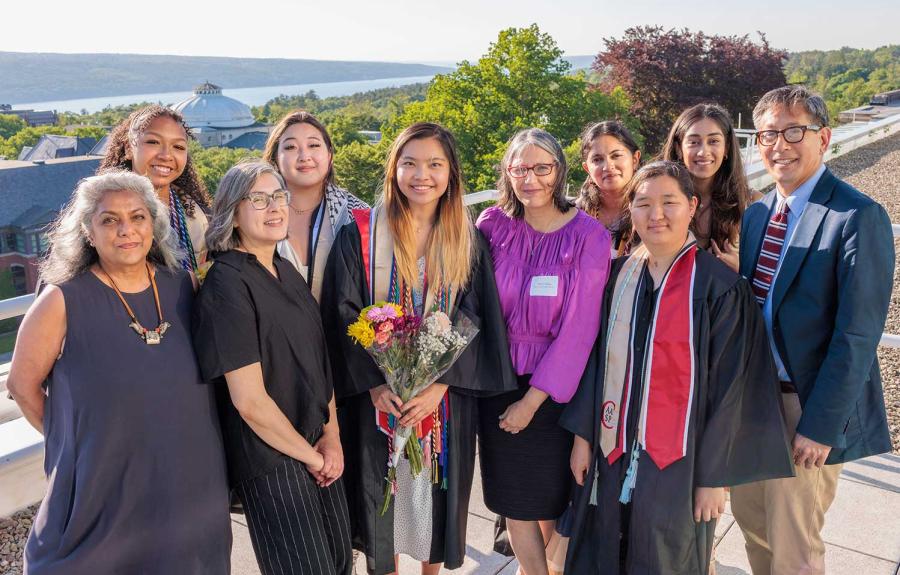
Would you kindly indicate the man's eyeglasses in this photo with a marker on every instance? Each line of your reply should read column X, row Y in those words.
column 538, row 169
column 262, row 200
column 791, row 135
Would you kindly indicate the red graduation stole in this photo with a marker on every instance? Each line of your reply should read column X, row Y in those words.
column 668, row 369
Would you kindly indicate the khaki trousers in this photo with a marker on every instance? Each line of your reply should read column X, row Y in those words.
column 782, row 519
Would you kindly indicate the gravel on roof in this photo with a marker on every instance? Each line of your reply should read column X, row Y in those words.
column 875, row 171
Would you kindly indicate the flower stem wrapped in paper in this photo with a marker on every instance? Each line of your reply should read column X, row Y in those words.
column 412, row 353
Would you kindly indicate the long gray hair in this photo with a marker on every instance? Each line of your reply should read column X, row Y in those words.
column 237, row 182
column 70, row 252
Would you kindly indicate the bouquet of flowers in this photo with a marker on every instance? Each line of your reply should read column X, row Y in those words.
column 412, row 353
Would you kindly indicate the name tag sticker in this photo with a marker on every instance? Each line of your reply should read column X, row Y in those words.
column 544, row 286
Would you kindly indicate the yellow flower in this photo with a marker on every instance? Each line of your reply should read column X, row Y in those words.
column 361, row 331
column 202, row 270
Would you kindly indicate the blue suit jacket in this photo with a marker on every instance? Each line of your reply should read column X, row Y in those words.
column 829, row 306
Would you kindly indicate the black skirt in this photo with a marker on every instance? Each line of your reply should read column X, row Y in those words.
column 525, row 476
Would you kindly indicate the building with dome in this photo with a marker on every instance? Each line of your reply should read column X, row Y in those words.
column 217, row 120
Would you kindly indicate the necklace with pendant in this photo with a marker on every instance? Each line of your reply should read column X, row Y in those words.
column 300, row 212
column 150, row 336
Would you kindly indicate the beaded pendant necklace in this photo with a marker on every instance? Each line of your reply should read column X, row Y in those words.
column 150, row 336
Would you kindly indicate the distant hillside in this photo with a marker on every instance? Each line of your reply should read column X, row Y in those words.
column 847, row 77
column 40, row 77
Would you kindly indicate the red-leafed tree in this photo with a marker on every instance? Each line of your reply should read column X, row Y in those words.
column 665, row 71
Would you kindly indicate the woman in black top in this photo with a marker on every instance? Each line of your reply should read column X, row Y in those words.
column 257, row 330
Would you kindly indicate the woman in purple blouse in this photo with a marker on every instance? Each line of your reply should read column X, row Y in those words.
column 551, row 263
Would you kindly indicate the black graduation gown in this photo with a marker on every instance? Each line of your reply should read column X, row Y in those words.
column 484, row 368
column 736, row 436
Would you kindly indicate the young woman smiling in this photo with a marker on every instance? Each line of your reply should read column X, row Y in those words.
column 610, row 156
column 662, row 417
column 703, row 139
column 301, row 150
column 418, row 249
column 153, row 142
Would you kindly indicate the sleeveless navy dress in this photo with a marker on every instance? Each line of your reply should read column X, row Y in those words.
column 134, row 456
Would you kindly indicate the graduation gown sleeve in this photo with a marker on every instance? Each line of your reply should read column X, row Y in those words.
column 581, row 416
column 343, row 297
column 484, row 367
column 743, row 439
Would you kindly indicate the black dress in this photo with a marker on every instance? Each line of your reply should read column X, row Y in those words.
column 483, row 368
column 133, row 448
column 736, row 435
column 245, row 315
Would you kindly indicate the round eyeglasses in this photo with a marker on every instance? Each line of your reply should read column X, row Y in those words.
column 538, row 169
column 791, row 135
column 262, row 200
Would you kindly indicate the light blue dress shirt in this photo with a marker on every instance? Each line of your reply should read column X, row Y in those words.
column 796, row 204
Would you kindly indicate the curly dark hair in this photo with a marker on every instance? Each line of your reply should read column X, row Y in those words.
column 188, row 185
column 730, row 192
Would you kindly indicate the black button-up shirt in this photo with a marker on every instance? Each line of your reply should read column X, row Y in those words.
column 243, row 315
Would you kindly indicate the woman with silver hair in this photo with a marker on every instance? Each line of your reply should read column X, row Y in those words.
column 258, row 337
column 551, row 261
column 104, row 368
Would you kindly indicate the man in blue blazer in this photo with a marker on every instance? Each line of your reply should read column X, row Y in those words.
column 820, row 257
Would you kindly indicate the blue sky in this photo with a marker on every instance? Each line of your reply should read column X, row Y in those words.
column 422, row 30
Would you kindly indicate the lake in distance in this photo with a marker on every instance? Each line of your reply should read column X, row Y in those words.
column 250, row 96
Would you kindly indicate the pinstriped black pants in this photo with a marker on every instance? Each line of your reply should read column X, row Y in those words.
column 296, row 527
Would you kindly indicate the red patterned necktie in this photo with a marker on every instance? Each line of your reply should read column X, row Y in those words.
column 770, row 253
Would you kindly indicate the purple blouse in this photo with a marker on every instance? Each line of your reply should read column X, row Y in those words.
column 551, row 291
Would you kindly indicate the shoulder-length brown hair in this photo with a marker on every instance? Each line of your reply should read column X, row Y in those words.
column 270, row 153
column 188, row 185
column 730, row 192
column 450, row 246
column 508, row 201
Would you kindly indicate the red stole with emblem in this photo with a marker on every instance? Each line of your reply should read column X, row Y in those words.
column 668, row 367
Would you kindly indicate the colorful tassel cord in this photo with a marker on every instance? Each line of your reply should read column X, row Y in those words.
column 179, row 224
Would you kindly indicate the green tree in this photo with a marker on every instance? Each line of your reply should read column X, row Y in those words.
column 521, row 82
column 95, row 132
column 848, row 77
column 10, row 125
column 359, row 168
column 108, row 116
column 344, row 128
column 12, row 146
column 212, row 163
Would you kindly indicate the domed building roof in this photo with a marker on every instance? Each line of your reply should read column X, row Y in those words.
column 209, row 108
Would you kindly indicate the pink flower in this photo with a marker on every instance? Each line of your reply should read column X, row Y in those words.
column 382, row 337
column 382, row 313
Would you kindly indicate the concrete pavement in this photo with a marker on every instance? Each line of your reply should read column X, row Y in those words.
column 862, row 530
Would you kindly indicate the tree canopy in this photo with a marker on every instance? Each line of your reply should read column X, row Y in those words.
column 11, row 125
column 521, row 82
column 665, row 71
column 848, row 77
